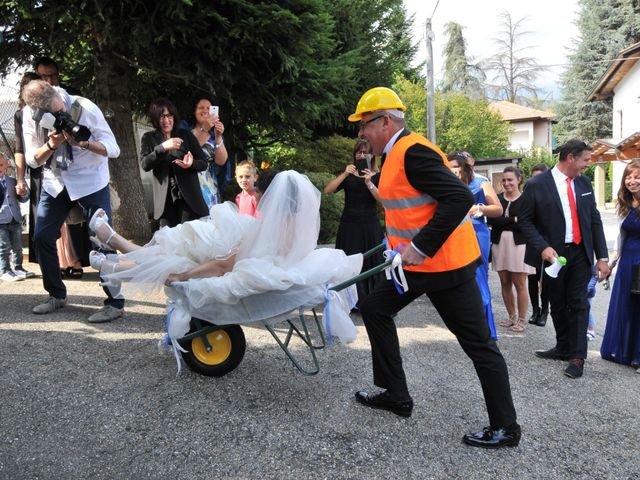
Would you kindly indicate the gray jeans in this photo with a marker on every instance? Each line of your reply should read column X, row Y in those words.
column 10, row 240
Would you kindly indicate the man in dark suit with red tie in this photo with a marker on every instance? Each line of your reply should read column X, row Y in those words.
column 560, row 218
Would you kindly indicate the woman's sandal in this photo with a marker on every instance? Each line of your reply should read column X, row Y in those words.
column 508, row 323
column 100, row 219
column 518, row 327
column 74, row 272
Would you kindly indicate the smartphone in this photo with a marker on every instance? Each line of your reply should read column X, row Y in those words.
column 214, row 110
column 361, row 164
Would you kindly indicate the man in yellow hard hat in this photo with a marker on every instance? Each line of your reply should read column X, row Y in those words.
column 426, row 216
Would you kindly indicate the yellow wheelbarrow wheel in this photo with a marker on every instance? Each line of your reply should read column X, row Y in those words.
column 227, row 346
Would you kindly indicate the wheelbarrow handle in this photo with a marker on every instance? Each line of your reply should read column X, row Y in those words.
column 362, row 276
column 374, row 250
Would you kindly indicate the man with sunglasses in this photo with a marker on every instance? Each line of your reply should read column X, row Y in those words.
column 427, row 223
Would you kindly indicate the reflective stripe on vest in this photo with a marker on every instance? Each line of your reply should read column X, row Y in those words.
column 408, row 202
column 408, row 210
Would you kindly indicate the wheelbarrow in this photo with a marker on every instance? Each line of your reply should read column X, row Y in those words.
column 215, row 350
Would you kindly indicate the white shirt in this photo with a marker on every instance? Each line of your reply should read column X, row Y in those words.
column 560, row 180
column 89, row 172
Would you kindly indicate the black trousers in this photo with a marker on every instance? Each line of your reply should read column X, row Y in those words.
column 569, row 304
column 462, row 312
column 539, row 296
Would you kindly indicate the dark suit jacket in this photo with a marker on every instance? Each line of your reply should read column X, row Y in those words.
column 155, row 158
column 427, row 173
column 542, row 219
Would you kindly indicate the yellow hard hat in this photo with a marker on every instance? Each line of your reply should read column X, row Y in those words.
column 378, row 98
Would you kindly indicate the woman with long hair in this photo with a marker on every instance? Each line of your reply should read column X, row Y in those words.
column 486, row 206
column 360, row 228
column 621, row 341
column 507, row 252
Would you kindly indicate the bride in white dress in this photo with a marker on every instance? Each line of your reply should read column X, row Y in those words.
column 232, row 269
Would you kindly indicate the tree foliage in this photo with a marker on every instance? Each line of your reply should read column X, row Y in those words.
column 606, row 27
column 464, row 123
column 460, row 75
column 461, row 122
column 279, row 70
column 514, row 72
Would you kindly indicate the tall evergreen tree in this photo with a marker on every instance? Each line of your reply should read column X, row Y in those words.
column 514, row 72
column 278, row 69
column 606, row 27
column 460, row 75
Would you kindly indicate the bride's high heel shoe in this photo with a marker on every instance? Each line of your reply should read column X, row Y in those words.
column 99, row 220
column 96, row 259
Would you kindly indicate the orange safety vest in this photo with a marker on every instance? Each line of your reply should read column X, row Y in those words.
column 408, row 210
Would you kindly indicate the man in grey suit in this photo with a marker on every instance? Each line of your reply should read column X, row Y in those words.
column 11, row 226
column 560, row 218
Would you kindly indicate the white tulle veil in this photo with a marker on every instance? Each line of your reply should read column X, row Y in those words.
column 288, row 221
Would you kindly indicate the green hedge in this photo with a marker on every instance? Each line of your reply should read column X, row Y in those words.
column 331, row 206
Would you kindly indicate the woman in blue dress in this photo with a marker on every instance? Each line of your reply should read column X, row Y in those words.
column 486, row 205
column 621, row 341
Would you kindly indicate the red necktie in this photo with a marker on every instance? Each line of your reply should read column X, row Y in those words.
column 577, row 238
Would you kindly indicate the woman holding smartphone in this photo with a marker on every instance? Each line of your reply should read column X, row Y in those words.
column 359, row 228
column 208, row 129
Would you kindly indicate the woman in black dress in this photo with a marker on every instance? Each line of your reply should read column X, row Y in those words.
column 359, row 228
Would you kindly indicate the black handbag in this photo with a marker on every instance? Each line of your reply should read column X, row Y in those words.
column 635, row 279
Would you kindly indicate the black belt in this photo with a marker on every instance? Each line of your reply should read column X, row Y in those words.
column 568, row 245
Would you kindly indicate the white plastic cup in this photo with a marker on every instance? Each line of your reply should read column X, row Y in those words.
column 553, row 269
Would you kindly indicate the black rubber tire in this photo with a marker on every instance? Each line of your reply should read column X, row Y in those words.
column 232, row 343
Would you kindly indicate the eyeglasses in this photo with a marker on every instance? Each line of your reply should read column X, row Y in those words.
column 364, row 123
column 166, row 115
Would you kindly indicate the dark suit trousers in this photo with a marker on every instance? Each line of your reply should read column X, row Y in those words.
column 569, row 304
column 462, row 312
column 539, row 296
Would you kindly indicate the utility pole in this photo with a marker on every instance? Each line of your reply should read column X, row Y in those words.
column 431, row 119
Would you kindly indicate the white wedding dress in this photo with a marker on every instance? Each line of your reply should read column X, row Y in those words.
column 278, row 267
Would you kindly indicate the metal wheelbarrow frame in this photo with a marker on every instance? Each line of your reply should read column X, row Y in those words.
column 215, row 350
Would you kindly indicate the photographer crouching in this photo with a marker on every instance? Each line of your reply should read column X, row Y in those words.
column 71, row 138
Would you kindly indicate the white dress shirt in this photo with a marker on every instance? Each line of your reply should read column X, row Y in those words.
column 89, row 172
column 560, row 180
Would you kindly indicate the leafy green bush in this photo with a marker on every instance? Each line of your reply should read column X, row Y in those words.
column 331, row 205
column 535, row 156
column 326, row 154
column 608, row 194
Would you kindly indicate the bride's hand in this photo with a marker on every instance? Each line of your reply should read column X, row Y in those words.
column 173, row 277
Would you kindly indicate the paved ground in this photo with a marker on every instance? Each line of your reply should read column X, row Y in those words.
column 81, row 401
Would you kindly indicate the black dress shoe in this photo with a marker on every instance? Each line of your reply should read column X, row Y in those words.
column 542, row 319
column 494, row 437
column 551, row 354
column 535, row 316
column 575, row 368
column 384, row 401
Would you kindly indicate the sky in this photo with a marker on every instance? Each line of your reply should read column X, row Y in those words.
column 551, row 24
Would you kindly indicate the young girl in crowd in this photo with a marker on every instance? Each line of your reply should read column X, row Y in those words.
column 246, row 176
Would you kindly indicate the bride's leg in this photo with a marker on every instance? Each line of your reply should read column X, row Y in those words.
column 107, row 237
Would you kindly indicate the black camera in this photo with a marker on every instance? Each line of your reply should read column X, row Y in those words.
column 62, row 122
